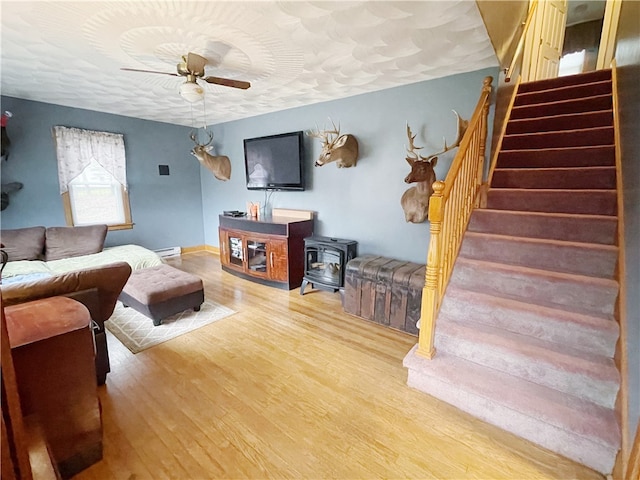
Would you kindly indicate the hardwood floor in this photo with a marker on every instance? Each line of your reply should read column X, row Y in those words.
column 292, row 387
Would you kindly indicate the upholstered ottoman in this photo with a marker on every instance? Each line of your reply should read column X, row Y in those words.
column 161, row 291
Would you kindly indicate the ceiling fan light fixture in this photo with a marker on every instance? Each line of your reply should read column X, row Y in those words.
column 191, row 92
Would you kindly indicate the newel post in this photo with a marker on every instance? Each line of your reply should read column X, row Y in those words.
column 481, row 189
column 430, row 294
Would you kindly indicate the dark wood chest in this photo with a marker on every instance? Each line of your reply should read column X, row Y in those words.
column 385, row 291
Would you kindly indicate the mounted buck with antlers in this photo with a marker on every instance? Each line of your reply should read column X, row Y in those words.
column 415, row 201
column 342, row 149
column 220, row 165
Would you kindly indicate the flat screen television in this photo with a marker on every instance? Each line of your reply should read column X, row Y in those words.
column 275, row 162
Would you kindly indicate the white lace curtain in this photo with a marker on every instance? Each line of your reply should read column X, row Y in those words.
column 75, row 148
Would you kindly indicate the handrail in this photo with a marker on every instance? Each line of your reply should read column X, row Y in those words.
column 622, row 359
column 450, row 207
column 508, row 72
column 498, row 144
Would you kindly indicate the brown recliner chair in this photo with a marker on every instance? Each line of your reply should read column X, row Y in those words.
column 97, row 288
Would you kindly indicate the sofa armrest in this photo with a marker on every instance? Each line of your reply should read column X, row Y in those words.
column 97, row 288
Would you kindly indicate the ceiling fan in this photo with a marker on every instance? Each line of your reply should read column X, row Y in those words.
column 192, row 67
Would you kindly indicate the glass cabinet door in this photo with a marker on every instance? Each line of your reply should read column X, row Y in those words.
column 235, row 250
column 324, row 265
column 257, row 256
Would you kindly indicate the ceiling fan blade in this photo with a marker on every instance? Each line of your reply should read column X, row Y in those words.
column 196, row 63
column 227, row 82
column 149, row 71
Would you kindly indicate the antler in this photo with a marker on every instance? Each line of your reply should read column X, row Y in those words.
column 324, row 134
column 462, row 128
column 335, row 130
column 412, row 148
column 193, row 137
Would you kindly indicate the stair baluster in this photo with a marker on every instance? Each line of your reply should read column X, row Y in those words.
column 450, row 207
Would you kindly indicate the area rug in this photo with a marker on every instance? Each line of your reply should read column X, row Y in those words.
column 138, row 333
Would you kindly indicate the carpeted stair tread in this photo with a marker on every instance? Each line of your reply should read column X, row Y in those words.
column 585, row 375
column 555, row 178
column 566, row 410
column 575, row 293
column 592, row 334
column 603, row 155
column 526, row 332
column 582, row 137
column 573, row 427
column 578, row 105
column 564, row 93
column 601, row 229
column 560, row 122
column 569, row 80
column 592, row 202
column 588, row 259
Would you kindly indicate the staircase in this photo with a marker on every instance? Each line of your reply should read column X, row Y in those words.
column 526, row 333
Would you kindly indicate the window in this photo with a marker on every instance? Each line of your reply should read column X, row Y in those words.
column 572, row 63
column 92, row 177
column 95, row 197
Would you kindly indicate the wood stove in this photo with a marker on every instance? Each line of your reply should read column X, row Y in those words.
column 325, row 260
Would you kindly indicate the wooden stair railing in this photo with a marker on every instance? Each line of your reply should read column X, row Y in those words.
column 630, row 454
column 508, row 72
column 498, row 143
column 450, row 207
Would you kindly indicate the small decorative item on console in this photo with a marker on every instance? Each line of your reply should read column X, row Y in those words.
column 234, row 213
column 253, row 209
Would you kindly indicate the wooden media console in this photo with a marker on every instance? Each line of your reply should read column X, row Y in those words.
column 268, row 251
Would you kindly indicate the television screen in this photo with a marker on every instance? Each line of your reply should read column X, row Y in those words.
column 275, row 162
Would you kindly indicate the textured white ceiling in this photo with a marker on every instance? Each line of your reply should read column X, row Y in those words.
column 294, row 52
column 580, row 11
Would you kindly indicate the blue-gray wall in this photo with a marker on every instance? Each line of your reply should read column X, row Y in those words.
column 361, row 203
column 166, row 210
column 628, row 69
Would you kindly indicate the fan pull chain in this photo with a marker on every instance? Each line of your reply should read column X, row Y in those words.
column 193, row 121
column 204, row 115
column 204, row 112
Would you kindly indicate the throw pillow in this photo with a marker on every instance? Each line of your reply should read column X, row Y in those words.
column 23, row 243
column 66, row 242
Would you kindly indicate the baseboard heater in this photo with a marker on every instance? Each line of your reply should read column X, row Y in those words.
column 169, row 252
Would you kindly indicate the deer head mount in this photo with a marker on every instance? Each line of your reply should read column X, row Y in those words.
column 219, row 165
column 342, row 149
column 415, row 201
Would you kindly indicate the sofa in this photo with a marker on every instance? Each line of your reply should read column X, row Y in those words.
column 39, row 252
column 71, row 261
